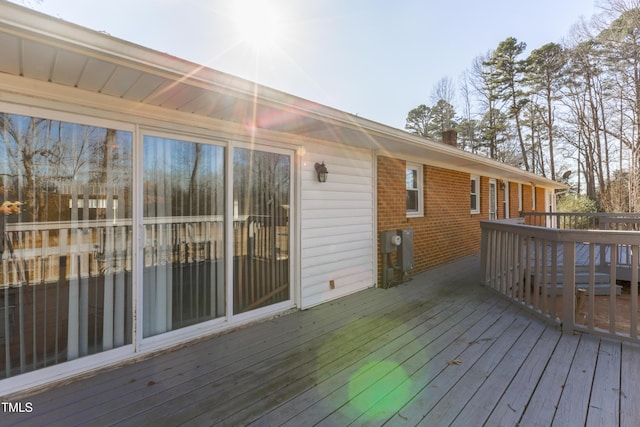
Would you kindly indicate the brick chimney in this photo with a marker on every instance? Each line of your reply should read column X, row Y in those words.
column 450, row 137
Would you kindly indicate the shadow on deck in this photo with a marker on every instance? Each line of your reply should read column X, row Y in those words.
column 438, row 350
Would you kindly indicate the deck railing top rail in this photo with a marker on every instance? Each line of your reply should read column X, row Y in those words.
column 617, row 236
column 583, row 220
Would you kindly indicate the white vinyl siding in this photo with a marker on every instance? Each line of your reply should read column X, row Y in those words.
column 337, row 228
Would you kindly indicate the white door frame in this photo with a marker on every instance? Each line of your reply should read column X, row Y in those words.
column 493, row 199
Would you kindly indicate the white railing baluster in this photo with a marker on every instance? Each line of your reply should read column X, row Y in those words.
column 108, row 292
column 73, row 343
column 527, row 271
column 592, row 286
column 634, row 291
column 518, row 283
column 568, row 286
column 545, row 276
column 119, row 308
column 554, row 279
column 613, row 291
column 536, row 273
column 503, row 262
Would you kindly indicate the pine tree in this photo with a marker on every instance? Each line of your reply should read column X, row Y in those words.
column 507, row 77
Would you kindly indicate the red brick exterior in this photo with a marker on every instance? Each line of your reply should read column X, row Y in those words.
column 513, row 200
column 447, row 231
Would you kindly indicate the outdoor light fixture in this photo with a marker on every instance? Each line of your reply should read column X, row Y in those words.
column 322, row 172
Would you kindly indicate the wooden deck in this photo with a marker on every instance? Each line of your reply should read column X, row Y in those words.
column 439, row 350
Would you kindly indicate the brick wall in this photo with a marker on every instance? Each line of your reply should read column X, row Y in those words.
column 513, row 200
column 541, row 202
column 527, row 206
column 448, row 230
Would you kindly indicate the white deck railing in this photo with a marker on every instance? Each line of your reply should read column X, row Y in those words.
column 567, row 276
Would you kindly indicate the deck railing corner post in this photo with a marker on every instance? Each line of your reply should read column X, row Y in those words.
column 483, row 254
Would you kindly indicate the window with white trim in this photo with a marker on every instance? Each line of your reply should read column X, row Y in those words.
column 475, row 194
column 415, row 191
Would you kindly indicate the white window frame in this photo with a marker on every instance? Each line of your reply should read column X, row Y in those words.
column 475, row 179
column 505, row 201
column 519, row 197
column 533, row 198
column 493, row 199
column 419, row 169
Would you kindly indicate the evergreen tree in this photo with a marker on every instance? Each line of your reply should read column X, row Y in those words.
column 544, row 74
column 507, row 77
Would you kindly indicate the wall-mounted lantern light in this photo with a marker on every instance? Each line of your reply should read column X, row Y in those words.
column 322, row 172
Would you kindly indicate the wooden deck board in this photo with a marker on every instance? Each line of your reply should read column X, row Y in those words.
column 604, row 406
column 372, row 358
column 514, row 401
column 466, row 388
column 440, row 374
column 574, row 405
column 540, row 410
column 479, row 407
column 629, row 384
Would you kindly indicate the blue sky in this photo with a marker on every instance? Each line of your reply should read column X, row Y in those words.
column 375, row 58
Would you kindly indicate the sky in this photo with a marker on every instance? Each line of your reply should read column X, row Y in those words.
column 374, row 58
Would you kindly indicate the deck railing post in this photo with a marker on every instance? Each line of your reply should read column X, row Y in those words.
column 483, row 255
column 568, row 286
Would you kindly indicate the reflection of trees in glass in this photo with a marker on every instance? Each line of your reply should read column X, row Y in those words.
column 44, row 162
column 261, row 182
column 182, row 178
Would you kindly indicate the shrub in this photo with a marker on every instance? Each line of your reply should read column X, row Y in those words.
column 576, row 203
column 572, row 203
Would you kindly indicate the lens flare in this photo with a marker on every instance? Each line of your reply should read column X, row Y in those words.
column 370, row 386
column 259, row 24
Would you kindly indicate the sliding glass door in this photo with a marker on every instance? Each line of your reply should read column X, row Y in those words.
column 183, row 273
column 209, row 247
column 261, row 228
column 65, row 241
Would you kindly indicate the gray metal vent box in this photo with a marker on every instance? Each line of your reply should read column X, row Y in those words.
column 405, row 250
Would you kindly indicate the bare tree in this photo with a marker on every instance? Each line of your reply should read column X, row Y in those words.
column 467, row 129
column 444, row 90
column 620, row 41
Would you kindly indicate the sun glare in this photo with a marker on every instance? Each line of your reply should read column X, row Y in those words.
column 259, row 25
